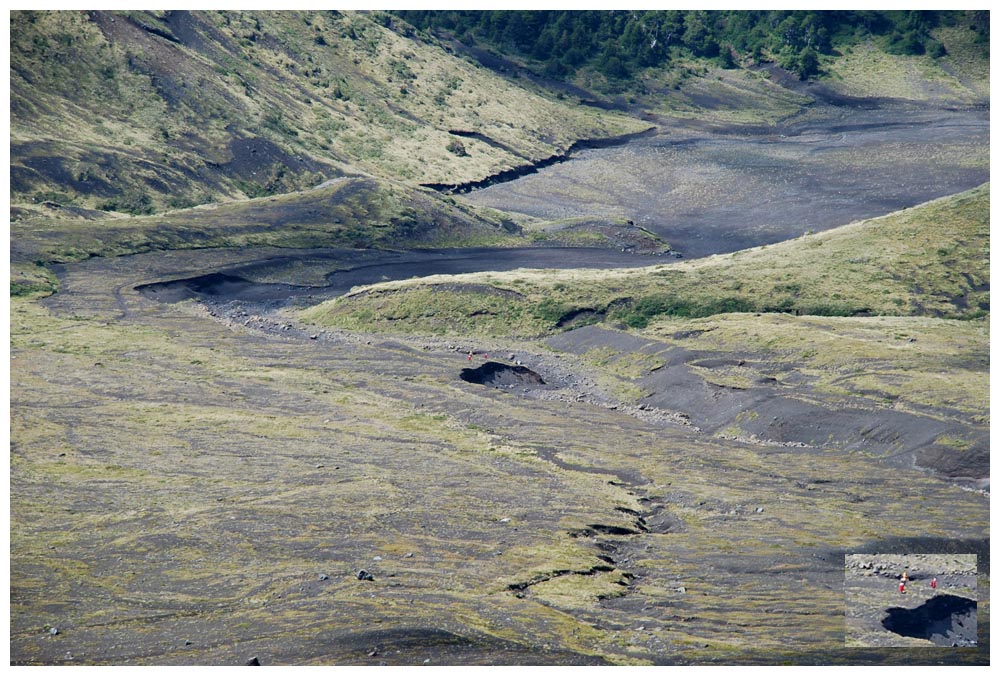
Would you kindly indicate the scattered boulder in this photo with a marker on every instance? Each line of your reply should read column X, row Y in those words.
column 253, row 662
column 365, row 575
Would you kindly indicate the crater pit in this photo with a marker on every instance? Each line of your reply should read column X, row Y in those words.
column 503, row 376
column 945, row 620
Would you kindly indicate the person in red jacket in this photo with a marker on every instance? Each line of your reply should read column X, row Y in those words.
column 902, row 587
column 933, row 583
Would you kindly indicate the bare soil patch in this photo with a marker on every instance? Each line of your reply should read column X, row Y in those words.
column 708, row 190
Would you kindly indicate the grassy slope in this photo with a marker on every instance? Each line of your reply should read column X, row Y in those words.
column 349, row 212
column 699, row 89
column 156, row 110
column 931, row 260
column 108, row 106
column 893, row 361
column 961, row 77
column 152, row 111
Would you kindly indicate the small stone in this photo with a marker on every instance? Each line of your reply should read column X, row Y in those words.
column 313, row 337
column 408, row 555
column 187, row 642
column 365, row 575
column 253, row 662
column 324, row 576
column 53, row 631
column 372, row 653
column 759, row 510
column 376, row 558
column 682, row 590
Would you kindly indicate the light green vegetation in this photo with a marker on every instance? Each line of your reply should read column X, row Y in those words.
column 151, row 108
column 909, row 363
column 350, row 212
column 724, row 96
column 188, row 492
column 173, row 479
column 248, row 480
column 931, row 260
column 579, row 231
column 866, row 71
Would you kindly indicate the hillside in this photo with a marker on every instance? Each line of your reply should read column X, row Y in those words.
column 137, row 112
column 652, row 57
column 142, row 111
column 368, row 338
column 932, row 260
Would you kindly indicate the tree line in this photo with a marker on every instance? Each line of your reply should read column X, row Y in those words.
column 617, row 43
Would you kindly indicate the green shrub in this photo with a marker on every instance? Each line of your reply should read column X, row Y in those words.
column 552, row 310
column 456, row 147
column 135, row 202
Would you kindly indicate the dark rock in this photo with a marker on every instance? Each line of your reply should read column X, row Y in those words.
column 323, row 576
column 253, row 662
column 365, row 575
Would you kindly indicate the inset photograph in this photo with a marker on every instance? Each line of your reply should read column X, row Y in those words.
column 910, row 600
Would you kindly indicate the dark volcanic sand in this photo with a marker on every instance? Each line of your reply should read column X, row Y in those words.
column 350, row 268
column 209, row 497
column 220, row 491
column 729, row 189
